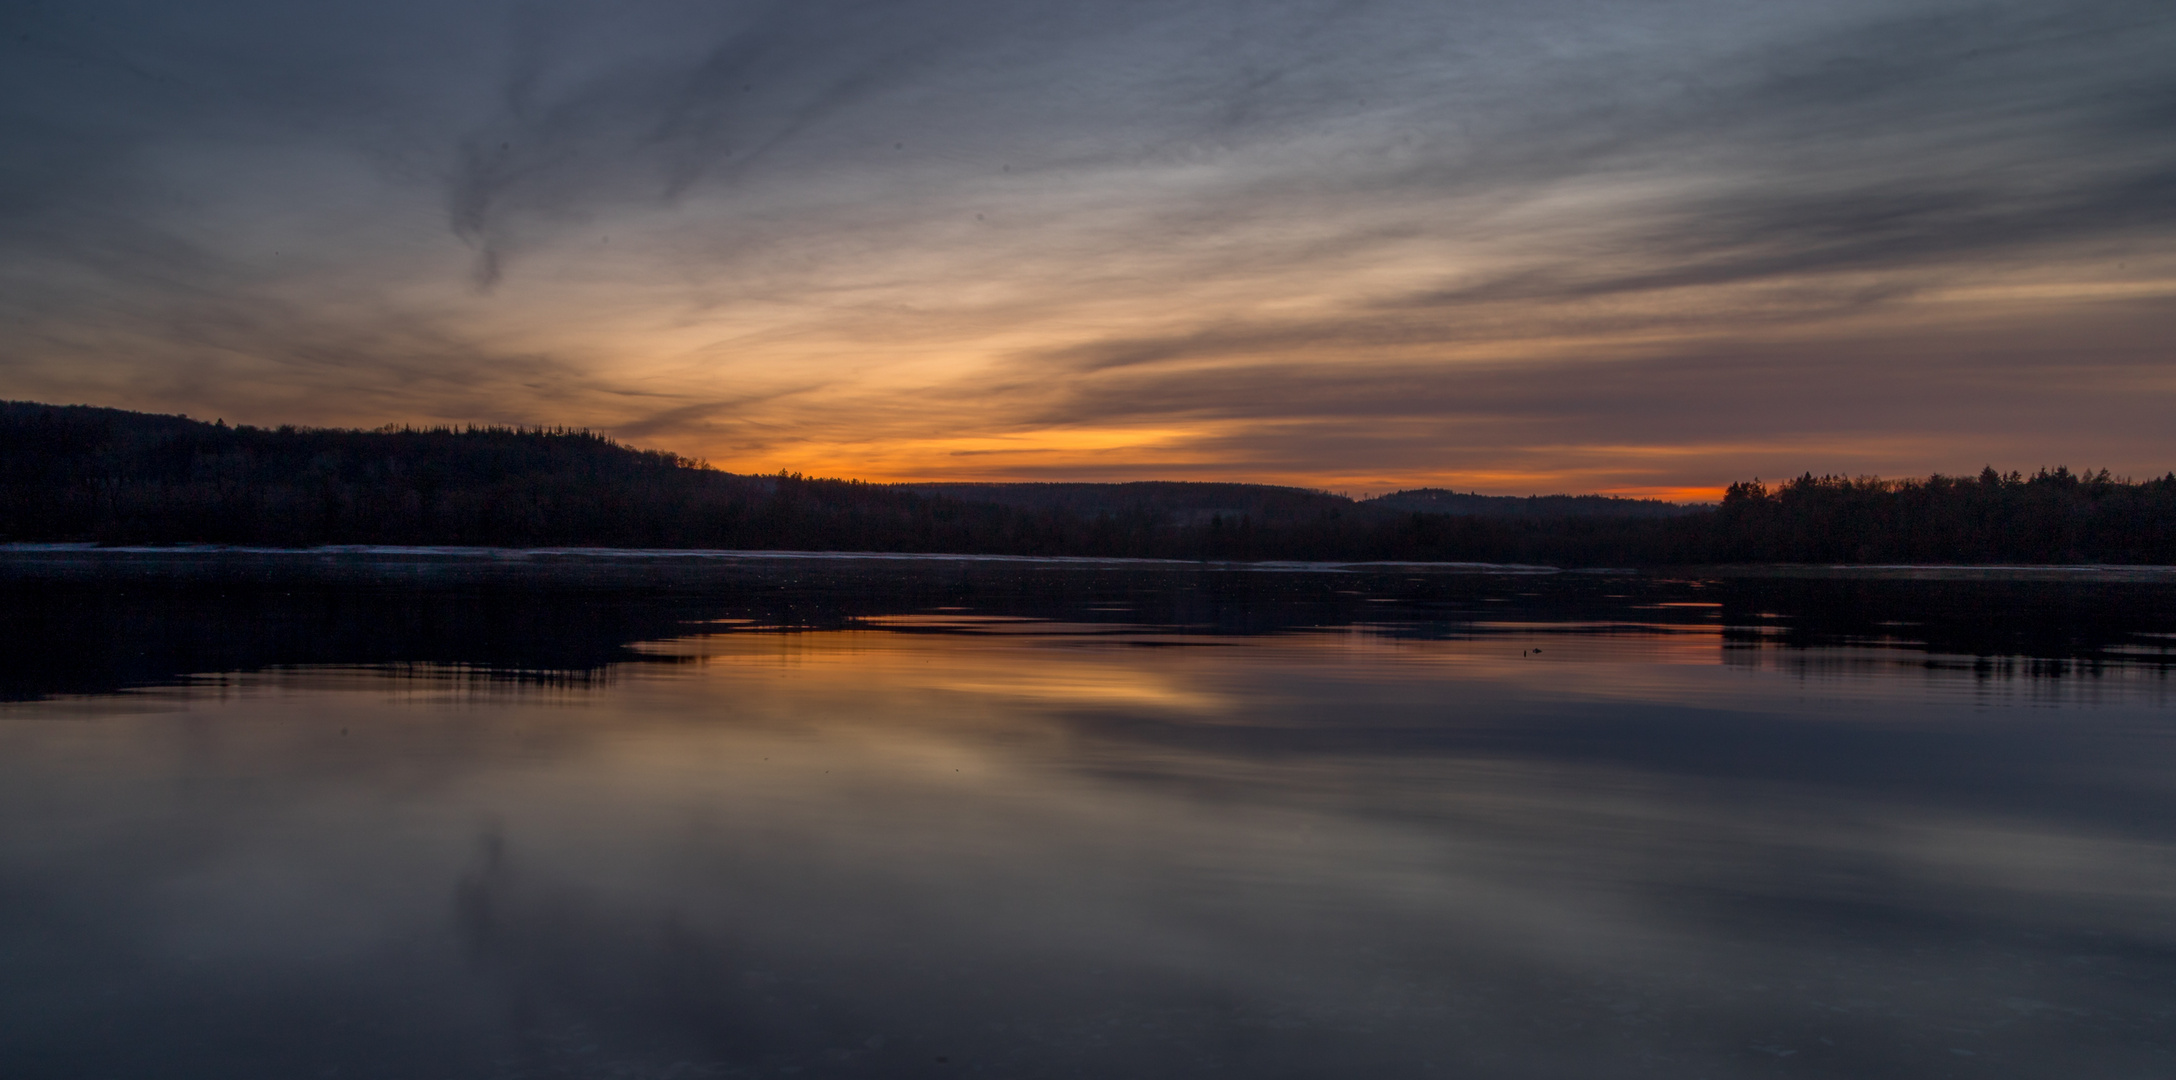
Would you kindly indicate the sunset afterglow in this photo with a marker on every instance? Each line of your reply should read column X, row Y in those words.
column 1514, row 248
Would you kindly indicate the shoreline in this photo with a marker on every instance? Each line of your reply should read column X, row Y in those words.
column 33, row 561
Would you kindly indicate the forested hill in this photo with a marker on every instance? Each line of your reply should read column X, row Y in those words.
column 1440, row 501
column 1180, row 501
column 76, row 473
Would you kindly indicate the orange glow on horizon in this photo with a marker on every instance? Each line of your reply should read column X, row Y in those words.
column 1667, row 494
column 1063, row 468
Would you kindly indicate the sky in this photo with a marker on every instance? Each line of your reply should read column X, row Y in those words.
column 1515, row 247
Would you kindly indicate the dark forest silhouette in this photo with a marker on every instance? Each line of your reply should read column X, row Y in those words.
column 76, row 473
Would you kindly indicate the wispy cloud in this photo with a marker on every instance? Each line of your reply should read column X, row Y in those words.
column 1314, row 241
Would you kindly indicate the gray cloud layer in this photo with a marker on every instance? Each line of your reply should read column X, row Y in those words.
column 1352, row 238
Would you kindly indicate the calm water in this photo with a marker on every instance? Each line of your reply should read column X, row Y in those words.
column 982, row 819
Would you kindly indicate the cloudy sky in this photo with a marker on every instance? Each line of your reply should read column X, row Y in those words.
column 1543, row 245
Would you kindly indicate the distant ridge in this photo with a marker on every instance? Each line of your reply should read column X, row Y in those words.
column 1200, row 501
column 1443, row 501
column 1184, row 501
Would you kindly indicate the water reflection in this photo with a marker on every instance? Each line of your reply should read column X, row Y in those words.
column 74, row 624
column 1581, row 831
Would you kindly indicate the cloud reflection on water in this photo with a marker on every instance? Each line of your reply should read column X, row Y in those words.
column 857, row 851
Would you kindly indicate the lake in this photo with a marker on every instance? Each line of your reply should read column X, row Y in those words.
column 433, row 813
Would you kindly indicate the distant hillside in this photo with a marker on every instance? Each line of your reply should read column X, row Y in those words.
column 1441, row 501
column 78, row 473
column 1193, row 501
column 1180, row 501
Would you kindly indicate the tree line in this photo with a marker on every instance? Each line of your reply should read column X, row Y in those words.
column 74, row 473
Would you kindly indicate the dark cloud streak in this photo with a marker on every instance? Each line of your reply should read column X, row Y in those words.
column 1468, row 218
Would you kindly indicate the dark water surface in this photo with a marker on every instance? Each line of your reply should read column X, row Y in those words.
column 420, row 815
